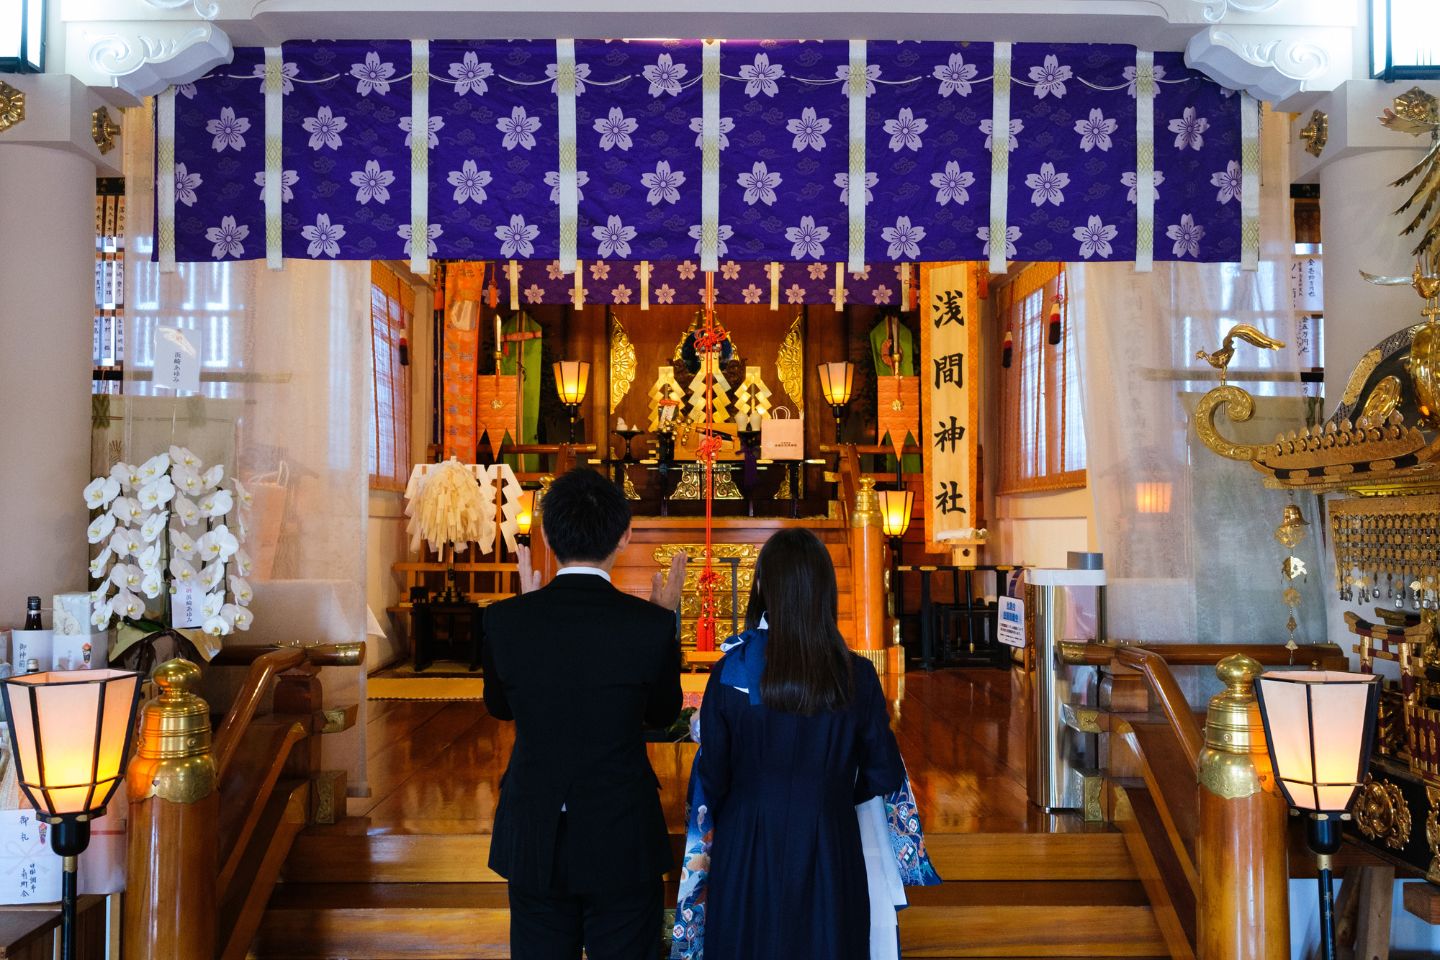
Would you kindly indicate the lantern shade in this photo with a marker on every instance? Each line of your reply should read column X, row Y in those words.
column 1152, row 496
column 1318, row 726
column 895, row 506
column 571, row 379
column 836, row 381
column 71, row 735
column 22, row 36
column 525, row 514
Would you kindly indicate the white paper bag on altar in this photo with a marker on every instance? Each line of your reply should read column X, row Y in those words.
column 782, row 438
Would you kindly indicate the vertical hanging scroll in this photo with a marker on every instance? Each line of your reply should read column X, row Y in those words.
column 858, row 80
column 419, row 156
column 274, row 156
column 710, row 157
column 1000, row 159
column 569, row 188
column 950, row 401
column 1144, row 160
column 165, row 180
column 1249, row 182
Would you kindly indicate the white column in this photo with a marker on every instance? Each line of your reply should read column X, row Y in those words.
column 47, row 263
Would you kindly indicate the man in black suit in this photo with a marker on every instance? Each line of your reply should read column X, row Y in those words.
column 581, row 668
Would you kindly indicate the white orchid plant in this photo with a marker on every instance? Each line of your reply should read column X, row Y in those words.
column 163, row 525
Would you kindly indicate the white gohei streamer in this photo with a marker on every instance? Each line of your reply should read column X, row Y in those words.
column 1144, row 160
column 1000, row 158
column 856, row 175
column 420, row 156
column 569, row 188
column 274, row 157
column 165, row 180
column 710, row 157
column 1249, row 182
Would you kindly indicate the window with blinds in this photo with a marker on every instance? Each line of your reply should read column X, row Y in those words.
column 392, row 305
column 1042, row 434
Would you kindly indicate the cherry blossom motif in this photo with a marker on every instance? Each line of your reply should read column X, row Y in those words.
column 760, row 76
column 1228, row 180
column 185, row 184
column 372, row 75
column 615, row 130
column 228, row 130
column 1017, row 126
column 515, row 240
column 1095, row 131
column 534, row 293
column 726, row 124
column 186, row 90
column 664, row 293
column 621, row 294
column 872, row 73
column 794, row 293
column 842, row 180
column 432, row 230
column 955, row 76
column 1047, row 185
column 518, row 128
column 1129, row 179
column 809, row 130
column 470, row 75
column 324, row 238
column 1187, row 235
column 1189, row 130
column 582, row 73
column 1095, row 238
column 665, row 76
column 1012, row 233
column 552, row 180
column 950, row 184
column 904, row 239
column 862, row 274
column 808, row 240
column 723, row 232
column 751, row 294
column 905, row 130
column 288, row 179
column 882, row 295
column 1050, row 77
column 288, row 72
column 818, row 270
column 372, row 183
column 759, row 184
column 227, row 239
column 324, row 129
column 600, row 270
column 614, row 237
column 469, row 183
column 664, row 184
column 1129, row 74
column 686, row 270
column 552, row 269
column 433, row 125
column 729, row 270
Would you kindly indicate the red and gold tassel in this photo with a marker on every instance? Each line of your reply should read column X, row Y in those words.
column 1007, row 349
column 1052, row 331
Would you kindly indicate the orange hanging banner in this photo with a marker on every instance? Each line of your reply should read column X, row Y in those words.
column 898, row 410
column 464, row 287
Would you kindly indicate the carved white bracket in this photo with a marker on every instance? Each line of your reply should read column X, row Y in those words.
column 139, row 47
column 1282, row 70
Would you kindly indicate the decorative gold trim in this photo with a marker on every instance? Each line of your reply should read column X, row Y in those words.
column 1239, row 406
column 1382, row 400
column 1432, row 832
column 790, row 364
column 690, row 595
column 103, row 130
column 880, row 658
column 1382, row 814
column 1221, row 358
column 12, row 106
column 172, row 755
column 1359, row 376
column 622, row 363
column 1234, row 763
column 867, row 505
column 1316, row 133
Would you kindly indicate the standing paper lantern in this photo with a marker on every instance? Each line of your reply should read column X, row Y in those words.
column 895, row 512
column 571, row 379
column 1319, row 726
column 837, row 380
column 524, row 517
column 71, row 734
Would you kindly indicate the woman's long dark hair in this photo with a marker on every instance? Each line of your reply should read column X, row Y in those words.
column 807, row 666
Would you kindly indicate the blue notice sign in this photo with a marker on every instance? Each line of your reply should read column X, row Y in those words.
column 1011, row 626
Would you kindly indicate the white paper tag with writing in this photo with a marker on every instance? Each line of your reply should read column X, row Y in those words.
column 185, row 606
column 177, row 360
column 1010, row 628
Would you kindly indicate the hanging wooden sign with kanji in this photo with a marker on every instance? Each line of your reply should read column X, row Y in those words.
column 950, row 402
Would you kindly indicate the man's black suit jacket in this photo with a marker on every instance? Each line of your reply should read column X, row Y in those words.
column 581, row 668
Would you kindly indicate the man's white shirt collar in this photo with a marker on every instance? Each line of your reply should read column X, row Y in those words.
column 593, row 571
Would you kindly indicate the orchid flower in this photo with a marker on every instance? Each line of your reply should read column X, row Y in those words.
column 211, row 603
column 126, row 542
column 238, row 615
column 126, row 605
column 154, row 467
column 100, row 595
column 181, row 543
column 126, row 576
column 218, row 544
column 181, row 456
column 156, row 493
column 212, row 575
column 182, row 570
column 121, row 508
column 125, row 475
column 216, row 503
column 153, row 584
column 185, row 509
column 243, row 495
column 243, row 563
column 152, row 527
column 100, row 528
column 216, row 626
column 187, row 479
column 101, row 561
column 149, row 558
column 214, row 475
column 100, row 616
column 100, row 491
column 240, row 589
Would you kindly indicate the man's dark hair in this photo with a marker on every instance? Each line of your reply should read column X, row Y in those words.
column 584, row 516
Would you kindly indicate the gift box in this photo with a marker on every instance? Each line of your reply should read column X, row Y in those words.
column 27, row 645
column 71, row 615
column 87, row 652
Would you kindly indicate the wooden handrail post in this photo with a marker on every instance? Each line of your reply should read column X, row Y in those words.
column 867, row 573
column 174, row 818
column 1244, row 904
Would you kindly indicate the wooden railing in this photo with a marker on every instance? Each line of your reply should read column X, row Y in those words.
column 210, row 825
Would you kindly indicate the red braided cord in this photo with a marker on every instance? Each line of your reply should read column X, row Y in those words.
column 705, row 628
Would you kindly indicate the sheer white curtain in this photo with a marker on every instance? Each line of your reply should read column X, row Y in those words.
column 285, row 402
column 1187, row 535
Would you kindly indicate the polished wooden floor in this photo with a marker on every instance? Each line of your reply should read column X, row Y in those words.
column 434, row 767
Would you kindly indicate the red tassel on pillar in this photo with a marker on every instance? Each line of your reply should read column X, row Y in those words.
column 1007, row 349
column 1052, row 332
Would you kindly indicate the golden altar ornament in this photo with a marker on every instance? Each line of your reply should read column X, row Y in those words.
column 790, row 364
column 622, row 363
column 1382, row 814
column 12, row 106
column 103, row 130
column 1316, row 133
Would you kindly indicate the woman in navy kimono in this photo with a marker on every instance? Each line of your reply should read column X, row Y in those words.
column 795, row 733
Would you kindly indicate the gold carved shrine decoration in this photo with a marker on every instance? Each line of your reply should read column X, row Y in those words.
column 950, row 400
column 1432, row 832
column 12, row 106
column 103, row 130
column 1382, row 814
column 735, row 560
column 790, row 364
column 1316, row 133
column 622, row 363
